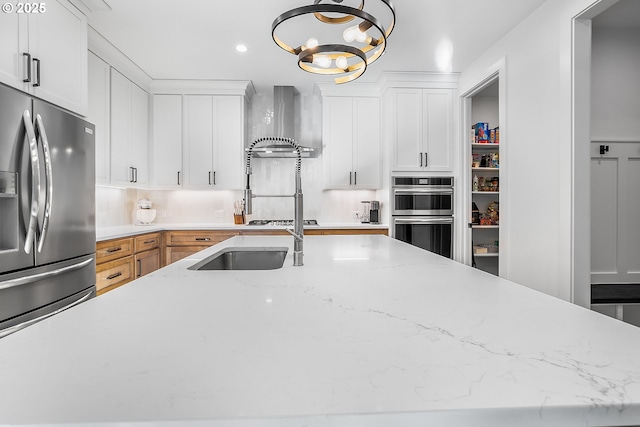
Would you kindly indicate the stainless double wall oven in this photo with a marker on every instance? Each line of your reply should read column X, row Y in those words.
column 422, row 213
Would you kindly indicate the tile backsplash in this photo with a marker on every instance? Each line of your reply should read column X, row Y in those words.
column 116, row 206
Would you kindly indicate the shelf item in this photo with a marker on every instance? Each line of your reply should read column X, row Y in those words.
column 485, row 169
column 485, row 192
column 485, row 144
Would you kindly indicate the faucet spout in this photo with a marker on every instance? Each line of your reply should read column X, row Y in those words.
column 298, row 228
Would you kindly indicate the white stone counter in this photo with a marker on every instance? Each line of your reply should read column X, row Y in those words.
column 107, row 233
column 369, row 332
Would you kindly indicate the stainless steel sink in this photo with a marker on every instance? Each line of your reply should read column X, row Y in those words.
column 244, row 258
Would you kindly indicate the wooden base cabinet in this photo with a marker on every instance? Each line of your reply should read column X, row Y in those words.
column 181, row 244
column 119, row 261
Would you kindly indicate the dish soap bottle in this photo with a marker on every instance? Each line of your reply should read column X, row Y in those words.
column 475, row 182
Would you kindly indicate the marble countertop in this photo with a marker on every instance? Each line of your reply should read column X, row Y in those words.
column 115, row 232
column 370, row 331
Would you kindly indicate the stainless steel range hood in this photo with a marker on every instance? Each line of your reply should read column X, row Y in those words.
column 284, row 118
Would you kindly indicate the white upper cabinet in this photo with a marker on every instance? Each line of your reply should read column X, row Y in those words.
column 98, row 114
column 213, row 141
column 351, row 139
column 45, row 53
column 167, row 141
column 423, row 130
column 129, row 132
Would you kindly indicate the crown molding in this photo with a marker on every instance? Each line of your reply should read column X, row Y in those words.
column 203, row 87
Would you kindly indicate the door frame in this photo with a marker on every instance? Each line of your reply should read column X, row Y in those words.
column 462, row 247
column 581, row 160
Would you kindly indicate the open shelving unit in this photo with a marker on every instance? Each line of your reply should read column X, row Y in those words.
column 485, row 109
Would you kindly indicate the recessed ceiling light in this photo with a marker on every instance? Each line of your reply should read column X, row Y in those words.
column 241, row 48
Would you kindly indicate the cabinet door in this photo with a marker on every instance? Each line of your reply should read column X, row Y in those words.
column 139, row 146
column 337, row 136
column 407, row 151
column 121, row 173
column 167, row 140
column 437, row 110
column 98, row 114
column 198, row 141
column 58, row 38
column 147, row 262
column 11, row 60
column 228, row 139
column 366, row 142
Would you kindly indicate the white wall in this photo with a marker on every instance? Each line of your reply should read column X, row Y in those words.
column 537, row 140
column 615, row 78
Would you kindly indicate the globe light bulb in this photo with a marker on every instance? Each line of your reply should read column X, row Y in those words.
column 341, row 62
column 361, row 36
column 312, row 42
column 349, row 34
column 322, row 61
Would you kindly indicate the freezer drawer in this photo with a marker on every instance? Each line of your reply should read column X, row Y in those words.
column 29, row 295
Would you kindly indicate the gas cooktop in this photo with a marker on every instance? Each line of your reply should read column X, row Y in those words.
column 280, row 222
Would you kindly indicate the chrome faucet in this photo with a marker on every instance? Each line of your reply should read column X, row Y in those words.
column 298, row 229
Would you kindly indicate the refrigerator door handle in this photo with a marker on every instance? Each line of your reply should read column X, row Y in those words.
column 36, row 277
column 49, row 177
column 16, row 328
column 35, row 182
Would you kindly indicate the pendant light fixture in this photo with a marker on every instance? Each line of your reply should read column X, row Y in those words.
column 336, row 37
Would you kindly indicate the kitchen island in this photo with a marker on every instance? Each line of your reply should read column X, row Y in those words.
column 370, row 331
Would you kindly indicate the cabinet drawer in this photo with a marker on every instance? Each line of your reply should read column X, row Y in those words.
column 176, row 253
column 112, row 274
column 146, row 242
column 200, row 238
column 113, row 249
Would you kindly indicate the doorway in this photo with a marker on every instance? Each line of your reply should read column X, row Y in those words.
column 606, row 105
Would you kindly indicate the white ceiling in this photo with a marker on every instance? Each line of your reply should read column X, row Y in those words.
column 196, row 39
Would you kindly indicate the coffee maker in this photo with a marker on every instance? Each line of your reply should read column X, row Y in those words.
column 374, row 212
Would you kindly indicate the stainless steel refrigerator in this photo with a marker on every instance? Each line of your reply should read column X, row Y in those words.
column 47, row 210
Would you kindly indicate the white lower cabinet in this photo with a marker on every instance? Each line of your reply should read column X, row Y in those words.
column 167, row 141
column 422, row 130
column 45, row 53
column 213, row 141
column 129, row 132
column 351, row 142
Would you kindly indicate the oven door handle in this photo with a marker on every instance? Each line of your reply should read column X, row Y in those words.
column 433, row 220
column 423, row 191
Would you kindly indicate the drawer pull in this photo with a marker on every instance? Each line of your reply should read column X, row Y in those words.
column 114, row 275
column 149, row 242
column 110, row 251
column 203, row 239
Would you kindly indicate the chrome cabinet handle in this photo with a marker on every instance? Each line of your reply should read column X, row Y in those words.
column 49, row 178
column 135, row 174
column 355, row 178
column 426, row 160
column 37, row 62
column 27, row 66
column 433, row 220
column 420, row 159
column 214, row 177
column 35, row 181
column 178, row 177
column 209, row 177
column 114, row 275
column 350, row 178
